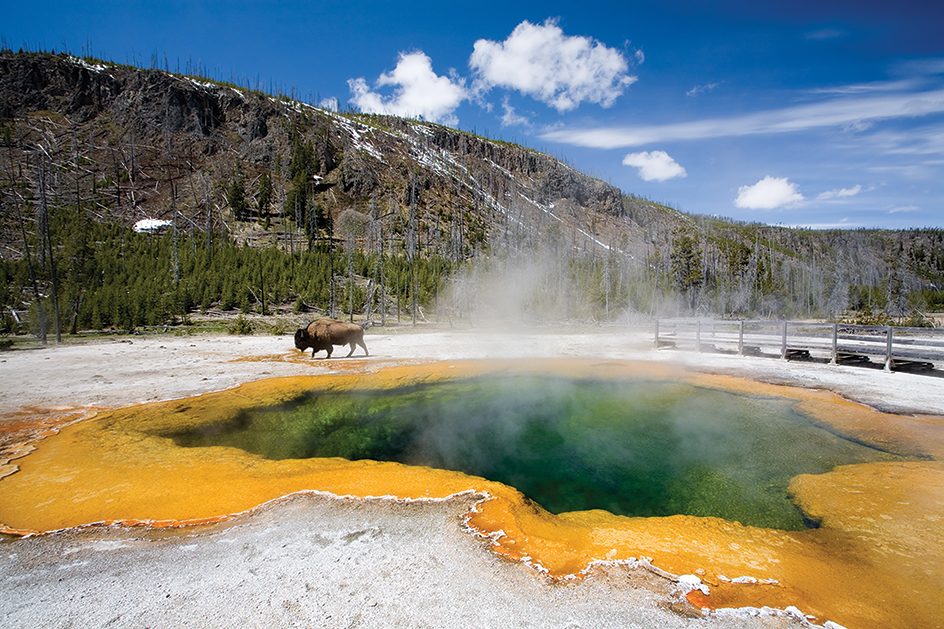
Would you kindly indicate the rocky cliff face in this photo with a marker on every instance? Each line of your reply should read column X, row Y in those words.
column 157, row 143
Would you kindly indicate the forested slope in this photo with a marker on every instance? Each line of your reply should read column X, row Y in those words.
column 269, row 205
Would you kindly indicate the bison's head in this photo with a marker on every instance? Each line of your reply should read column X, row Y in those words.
column 301, row 335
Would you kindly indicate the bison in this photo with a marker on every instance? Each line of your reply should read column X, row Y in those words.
column 324, row 334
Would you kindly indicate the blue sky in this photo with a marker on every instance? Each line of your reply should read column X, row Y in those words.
column 817, row 113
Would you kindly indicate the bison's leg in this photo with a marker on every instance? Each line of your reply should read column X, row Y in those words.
column 328, row 349
column 353, row 346
column 364, row 345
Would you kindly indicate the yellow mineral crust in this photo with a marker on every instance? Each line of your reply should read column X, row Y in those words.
column 876, row 561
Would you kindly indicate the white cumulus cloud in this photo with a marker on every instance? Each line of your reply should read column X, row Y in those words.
column 654, row 165
column 767, row 194
column 419, row 91
column 559, row 70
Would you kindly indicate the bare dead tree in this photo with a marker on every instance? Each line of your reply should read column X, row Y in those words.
column 32, row 273
column 26, row 248
column 351, row 224
column 46, row 239
column 411, row 249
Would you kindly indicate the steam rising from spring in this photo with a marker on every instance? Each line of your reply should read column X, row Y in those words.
column 542, row 286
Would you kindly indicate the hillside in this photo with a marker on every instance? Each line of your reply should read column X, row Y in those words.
column 353, row 213
column 152, row 140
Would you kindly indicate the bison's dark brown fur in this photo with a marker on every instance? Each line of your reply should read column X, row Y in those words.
column 324, row 334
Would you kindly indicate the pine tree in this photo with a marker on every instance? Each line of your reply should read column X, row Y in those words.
column 264, row 198
column 302, row 168
column 687, row 267
column 236, row 197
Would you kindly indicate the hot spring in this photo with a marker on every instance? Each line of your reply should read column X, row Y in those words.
column 633, row 448
column 568, row 462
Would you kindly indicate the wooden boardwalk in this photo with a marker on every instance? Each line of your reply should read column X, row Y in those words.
column 897, row 348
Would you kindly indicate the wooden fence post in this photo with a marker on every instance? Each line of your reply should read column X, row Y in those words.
column 783, row 344
column 835, row 358
column 889, row 333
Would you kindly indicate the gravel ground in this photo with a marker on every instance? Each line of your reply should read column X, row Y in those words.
column 319, row 561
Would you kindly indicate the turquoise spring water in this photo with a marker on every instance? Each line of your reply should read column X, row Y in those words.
column 637, row 448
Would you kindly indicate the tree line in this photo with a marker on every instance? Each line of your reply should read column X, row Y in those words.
column 111, row 277
column 72, row 262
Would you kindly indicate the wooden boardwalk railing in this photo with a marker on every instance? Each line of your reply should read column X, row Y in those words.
column 896, row 347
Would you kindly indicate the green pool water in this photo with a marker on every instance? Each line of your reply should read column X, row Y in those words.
column 638, row 448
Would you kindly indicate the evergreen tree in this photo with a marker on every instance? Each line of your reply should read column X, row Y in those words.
column 302, row 169
column 236, row 197
column 264, row 198
column 687, row 267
